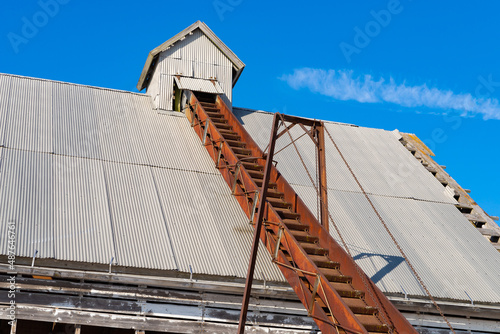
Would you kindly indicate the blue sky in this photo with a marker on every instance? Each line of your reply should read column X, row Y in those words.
column 426, row 67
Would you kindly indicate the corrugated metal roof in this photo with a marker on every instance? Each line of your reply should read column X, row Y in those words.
column 82, row 222
column 4, row 107
column 126, row 182
column 199, row 85
column 141, row 239
column 448, row 252
column 382, row 165
column 107, row 176
column 26, row 185
column 171, row 142
column 206, row 225
column 31, row 128
column 75, row 121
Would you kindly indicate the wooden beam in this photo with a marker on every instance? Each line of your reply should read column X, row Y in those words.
column 466, row 203
column 78, row 329
column 489, row 232
column 149, row 323
column 202, row 311
column 13, row 327
column 277, row 290
column 117, row 292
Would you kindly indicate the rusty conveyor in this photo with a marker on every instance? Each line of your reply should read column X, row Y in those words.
column 338, row 296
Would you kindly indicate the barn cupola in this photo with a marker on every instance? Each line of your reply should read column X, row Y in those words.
column 194, row 59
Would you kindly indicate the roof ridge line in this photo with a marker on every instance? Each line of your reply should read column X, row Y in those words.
column 323, row 120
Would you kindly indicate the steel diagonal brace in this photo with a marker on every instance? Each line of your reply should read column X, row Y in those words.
column 314, row 293
column 285, row 130
column 258, row 226
column 280, row 235
column 236, row 175
column 219, row 154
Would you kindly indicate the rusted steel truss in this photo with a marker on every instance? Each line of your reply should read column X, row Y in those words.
column 324, row 277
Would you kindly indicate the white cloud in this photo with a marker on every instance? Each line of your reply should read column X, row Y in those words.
column 343, row 85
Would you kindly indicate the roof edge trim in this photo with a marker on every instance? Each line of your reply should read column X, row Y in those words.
column 72, row 84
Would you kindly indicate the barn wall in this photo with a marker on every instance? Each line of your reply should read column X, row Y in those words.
column 195, row 56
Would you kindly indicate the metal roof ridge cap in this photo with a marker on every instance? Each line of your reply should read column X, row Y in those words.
column 316, row 119
column 218, row 42
column 319, row 119
column 160, row 48
column 254, row 110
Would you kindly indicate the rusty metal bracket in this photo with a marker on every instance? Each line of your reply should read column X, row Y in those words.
column 236, row 174
column 314, row 293
column 285, row 130
column 309, row 133
column 254, row 206
column 205, row 132
column 278, row 243
column 219, row 154
column 327, row 303
column 193, row 112
column 305, row 272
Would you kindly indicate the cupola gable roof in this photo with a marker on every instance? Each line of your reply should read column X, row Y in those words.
column 154, row 54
